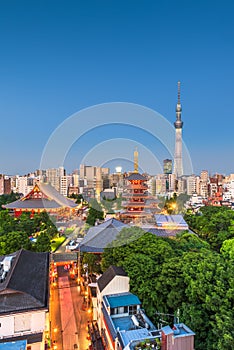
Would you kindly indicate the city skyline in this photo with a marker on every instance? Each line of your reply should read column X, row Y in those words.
column 58, row 59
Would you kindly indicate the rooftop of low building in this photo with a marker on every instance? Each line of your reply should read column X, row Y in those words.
column 24, row 279
column 121, row 299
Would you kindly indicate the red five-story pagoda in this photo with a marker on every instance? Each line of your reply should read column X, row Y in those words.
column 136, row 210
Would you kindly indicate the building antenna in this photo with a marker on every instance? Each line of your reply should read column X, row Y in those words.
column 136, row 161
column 178, row 84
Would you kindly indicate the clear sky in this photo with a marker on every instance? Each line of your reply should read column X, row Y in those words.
column 58, row 57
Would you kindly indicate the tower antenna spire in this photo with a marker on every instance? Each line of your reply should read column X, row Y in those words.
column 178, row 85
column 136, row 161
column 178, row 164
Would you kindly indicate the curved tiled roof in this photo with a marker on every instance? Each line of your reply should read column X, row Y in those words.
column 38, row 203
column 99, row 236
column 51, row 199
column 136, row 176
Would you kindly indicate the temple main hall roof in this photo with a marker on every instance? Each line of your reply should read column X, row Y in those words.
column 42, row 196
column 98, row 237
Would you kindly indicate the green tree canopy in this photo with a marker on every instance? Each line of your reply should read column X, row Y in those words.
column 214, row 224
column 14, row 241
column 8, row 198
column 183, row 273
column 93, row 261
column 43, row 242
column 7, row 222
column 95, row 212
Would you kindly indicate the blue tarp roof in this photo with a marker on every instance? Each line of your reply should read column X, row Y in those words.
column 14, row 345
column 123, row 299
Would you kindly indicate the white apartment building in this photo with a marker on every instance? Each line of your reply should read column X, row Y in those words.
column 227, row 196
column 75, row 180
column 181, row 185
column 191, row 185
column 161, row 184
column 203, row 189
column 63, row 185
column 228, row 186
column 52, row 176
column 114, row 280
column 57, row 178
column 151, row 183
column 1, row 184
column 172, row 182
column 24, row 184
column 204, row 176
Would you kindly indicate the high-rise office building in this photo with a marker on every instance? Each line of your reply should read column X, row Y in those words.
column 167, row 166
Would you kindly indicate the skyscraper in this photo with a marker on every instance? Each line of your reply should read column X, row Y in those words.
column 178, row 164
column 167, row 166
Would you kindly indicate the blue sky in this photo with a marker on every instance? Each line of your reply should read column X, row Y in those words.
column 58, row 57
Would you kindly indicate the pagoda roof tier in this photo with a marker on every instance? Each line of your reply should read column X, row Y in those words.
column 135, row 213
column 136, row 176
column 137, row 187
column 144, row 203
column 42, row 196
column 132, row 194
column 145, row 207
column 136, row 204
column 135, row 199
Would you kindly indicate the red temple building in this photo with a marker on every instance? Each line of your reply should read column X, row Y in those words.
column 138, row 207
column 43, row 197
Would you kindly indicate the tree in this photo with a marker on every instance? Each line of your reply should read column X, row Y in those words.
column 42, row 221
column 190, row 242
column 26, row 224
column 78, row 197
column 227, row 249
column 14, row 241
column 215, row 224
column 206, row 282
column 7, row 222
column 51, row 231
column 183, row 273
column 43, row 242
column 95, row 212
column 93, row 261
column 8, row 198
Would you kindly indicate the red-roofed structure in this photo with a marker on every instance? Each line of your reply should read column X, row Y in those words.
column 137, row 207
column 43, row 197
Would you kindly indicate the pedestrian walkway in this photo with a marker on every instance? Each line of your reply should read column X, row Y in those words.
column 72, row 321
column 68, row 321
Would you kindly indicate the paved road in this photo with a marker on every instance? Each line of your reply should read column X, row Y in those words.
column 68, row 321
column 82, row 318
column 73, row 235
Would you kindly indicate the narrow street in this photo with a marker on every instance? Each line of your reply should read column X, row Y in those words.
column 69, row 322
